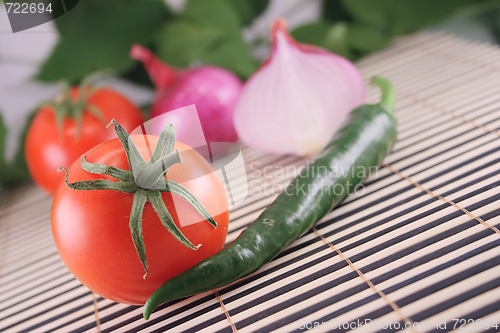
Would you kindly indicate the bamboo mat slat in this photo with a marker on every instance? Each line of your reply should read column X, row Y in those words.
column 416, row 249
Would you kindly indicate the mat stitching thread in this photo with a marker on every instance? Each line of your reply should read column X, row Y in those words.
column 448, row 112
column 96, row 313
column 393, row 305
column 351, row 265
column 421, row 44
column 463, row 60
column 223, row 307
column 432, row 194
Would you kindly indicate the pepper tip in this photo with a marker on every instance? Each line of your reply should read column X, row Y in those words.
column 148, row 309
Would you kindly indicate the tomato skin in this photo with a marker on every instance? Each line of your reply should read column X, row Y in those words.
column 92, row 234
column 46, row 150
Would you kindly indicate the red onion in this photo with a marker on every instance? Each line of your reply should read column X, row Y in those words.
column 213, row 90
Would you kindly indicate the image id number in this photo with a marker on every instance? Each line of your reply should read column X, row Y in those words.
column 28, row 8
column 464, row 324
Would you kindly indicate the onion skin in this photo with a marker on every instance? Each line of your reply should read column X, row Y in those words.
column 213, row 90
column 298, row 99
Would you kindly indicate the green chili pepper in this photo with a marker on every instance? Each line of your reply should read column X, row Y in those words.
column 354, row 151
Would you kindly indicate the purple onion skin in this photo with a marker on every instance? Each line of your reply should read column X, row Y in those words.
column 213, row 90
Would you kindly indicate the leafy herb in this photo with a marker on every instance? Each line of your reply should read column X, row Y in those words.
column 210, row 32
column 359, row 26
column 332, row 37
column 98, row 34
column 396, row 17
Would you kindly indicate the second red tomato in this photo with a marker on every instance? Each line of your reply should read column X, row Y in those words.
column 49, row 146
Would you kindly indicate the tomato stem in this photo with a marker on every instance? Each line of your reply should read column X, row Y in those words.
column 67, row 106
column 146, row 181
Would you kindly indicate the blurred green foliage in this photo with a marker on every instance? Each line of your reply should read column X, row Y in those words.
column 98, row 34
column 210, row 32
column 16, row 170
column 354, row 28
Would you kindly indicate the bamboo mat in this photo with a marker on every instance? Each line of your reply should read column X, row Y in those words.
column 418, row 246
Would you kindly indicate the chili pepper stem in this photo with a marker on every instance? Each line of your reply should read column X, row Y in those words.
column 388, row 98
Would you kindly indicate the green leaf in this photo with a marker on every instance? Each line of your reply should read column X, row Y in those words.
column 215, row 13
column 248, row 10
column 312, row 33
column 395, row 17
column 182, row 42
column 98, row 34
column 323, row 34
column 224, row 13
column 16, row 170
column 334, row 11
column 233, row 54
column 362, row 26
column 364, row 39
column 337, row 40
column 209, row 32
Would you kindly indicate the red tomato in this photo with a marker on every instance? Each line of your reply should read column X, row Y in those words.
column 46, row 151
column 92, row 234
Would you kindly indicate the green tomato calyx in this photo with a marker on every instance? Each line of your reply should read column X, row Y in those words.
column 146, row 181
column 65, row 106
